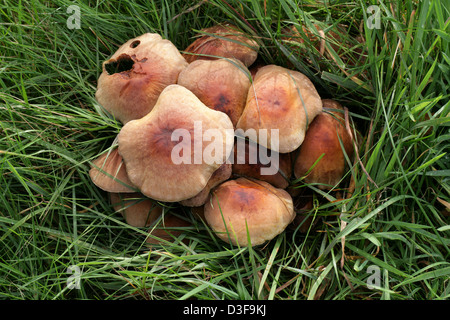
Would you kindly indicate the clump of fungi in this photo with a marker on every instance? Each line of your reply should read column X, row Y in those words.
column 202, row 131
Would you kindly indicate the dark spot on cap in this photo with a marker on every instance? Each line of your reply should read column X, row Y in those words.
column 222, row 102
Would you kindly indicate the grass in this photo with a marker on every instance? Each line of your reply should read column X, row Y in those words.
column 393, row 221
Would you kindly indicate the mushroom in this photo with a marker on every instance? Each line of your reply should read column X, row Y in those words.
column 167, row 153
column 140, row 211
column 250, row 159
column 321, row 158
column 304, row 212
column 220, row 175
column 134, row 76
column 281, row 104
column 137, row 210
column 225, row 41
column 168, row 227
column 108, row 172
column 248, row 212
column 220, row 84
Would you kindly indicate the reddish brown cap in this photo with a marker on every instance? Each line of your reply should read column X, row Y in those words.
column 140, row 211
column 137, row 210
column 108, row 172
column 243, row 208
column 220, row 175
column 225, row 41
column 252, row 158
column 323, row 139
column 166, row 152
column 284, row 100
column 168, row 227
column 220, row 84
column 135, row 75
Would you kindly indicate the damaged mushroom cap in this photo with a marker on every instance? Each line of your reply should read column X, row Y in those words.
column 137, row 210
column 135, row 75
column 225, row 41
column 323, row 141
column 220, row 175
column 220, row 84
column 108, row 172
column 172, row 152
column 282, row 100
column 244, row 209
column 255, row 161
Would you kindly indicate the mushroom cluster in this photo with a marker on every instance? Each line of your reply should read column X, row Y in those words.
column 203, row 128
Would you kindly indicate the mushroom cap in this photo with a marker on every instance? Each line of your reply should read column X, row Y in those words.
column 252, row 158
column 305, row 217
column 220, row 175
column 137, row 210
column 108, row 172
column 284, row 100
column 140, row 211
column 220, row 84
column 241, row 205
column 168, row 227
column 225, row 41
column 135, row 75
column 167, row 154
column 324, row 137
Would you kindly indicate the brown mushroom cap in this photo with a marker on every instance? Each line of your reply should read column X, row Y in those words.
column 220, row 175
column 135, row 75
column 167, row 228
column 324, row 137
column 137, row 210
column 108, row 172
column 225, row 41
column 304, row 213
column 140, row 211
column 241, row 205
column 284, row 100
column 249, row 161
column 150, row 146
column 220, row 84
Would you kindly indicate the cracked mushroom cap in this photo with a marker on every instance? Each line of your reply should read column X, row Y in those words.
column 323, row 139
column 108, row 172
column 172, row 152
column 283, row 100
column 135, row 75
column 241, row 205
column 221, row 84
column 225, row 41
